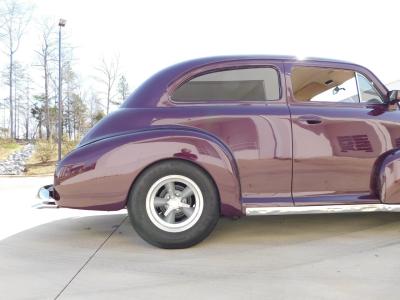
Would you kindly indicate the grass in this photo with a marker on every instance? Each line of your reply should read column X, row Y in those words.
column 36, row 166
column 8, row 147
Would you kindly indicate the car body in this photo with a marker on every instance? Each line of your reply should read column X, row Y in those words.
column 274, row 134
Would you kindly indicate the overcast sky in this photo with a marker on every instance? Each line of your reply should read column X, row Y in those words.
column 150, row 35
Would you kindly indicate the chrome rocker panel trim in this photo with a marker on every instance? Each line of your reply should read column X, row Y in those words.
column 322, row 209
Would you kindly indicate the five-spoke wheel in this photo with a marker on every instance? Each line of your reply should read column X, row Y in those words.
column 173, row 204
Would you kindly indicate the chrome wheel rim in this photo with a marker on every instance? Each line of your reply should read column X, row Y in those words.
column 174, row 203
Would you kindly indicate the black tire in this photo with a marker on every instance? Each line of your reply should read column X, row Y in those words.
column 140, row 218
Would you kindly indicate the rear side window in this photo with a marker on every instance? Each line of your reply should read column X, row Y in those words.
column 250, row 84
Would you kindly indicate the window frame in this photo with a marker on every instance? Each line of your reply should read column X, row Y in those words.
column 277, row 67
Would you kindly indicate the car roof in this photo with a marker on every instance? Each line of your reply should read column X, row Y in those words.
column 150, row 92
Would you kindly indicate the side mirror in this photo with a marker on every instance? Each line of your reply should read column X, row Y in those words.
column 394, row 97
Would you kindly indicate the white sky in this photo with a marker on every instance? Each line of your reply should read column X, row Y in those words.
column 150, row 35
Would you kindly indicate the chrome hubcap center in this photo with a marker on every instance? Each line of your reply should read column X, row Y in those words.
column 174, row 203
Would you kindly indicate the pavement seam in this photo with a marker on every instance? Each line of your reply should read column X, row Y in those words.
column 90, row 258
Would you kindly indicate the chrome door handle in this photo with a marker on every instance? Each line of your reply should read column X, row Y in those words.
column 310, row 120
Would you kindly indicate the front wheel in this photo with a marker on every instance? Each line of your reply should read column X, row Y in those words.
column 173, row 204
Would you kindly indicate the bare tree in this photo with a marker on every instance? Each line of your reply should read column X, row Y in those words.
column 46, row 56
column 20, row 73
column 70, row 85
column 95, row 107
column 37, row 113
column 123, row 89
column 15, row 17
column 79, row 115
column 26, row 107
column 3, row 127
column 108, row 74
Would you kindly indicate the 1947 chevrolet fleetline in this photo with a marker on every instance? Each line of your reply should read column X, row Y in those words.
column 239, row 135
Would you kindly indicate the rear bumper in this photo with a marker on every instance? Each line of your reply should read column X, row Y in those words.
column 46, row 197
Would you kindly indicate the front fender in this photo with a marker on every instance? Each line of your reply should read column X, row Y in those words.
column 99, row 175
column 389, row 177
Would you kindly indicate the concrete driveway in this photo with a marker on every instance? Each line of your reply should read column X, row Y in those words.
column 70, row 254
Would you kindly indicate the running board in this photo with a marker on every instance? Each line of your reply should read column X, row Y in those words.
column 321, row 209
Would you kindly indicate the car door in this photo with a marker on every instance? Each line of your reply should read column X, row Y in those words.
column 243, row 104
column 340, row 127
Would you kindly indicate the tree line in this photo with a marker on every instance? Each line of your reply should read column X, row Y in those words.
column 30, row 109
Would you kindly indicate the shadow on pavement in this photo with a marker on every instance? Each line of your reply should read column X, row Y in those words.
column 45, row 258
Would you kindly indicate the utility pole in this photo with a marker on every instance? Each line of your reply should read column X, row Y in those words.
column 60, row 24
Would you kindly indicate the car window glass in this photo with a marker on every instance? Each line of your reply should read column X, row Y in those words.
column 324, row 85
column 345, row 92
column 250, row 84
column 368, row 93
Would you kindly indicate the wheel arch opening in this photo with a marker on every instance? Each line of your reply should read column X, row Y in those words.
column 194, row 164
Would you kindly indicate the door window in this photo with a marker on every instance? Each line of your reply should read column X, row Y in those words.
column 316, row 84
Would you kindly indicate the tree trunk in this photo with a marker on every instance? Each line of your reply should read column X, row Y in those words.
column 27, row 115
column 69, row 127
column 46, row 98
column 27, row 129
column 108, row 99
column 11, row 98
column 15, row 109
column 74, row 124
column 40, row 125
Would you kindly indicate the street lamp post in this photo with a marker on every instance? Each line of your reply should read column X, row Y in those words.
column 61, row 23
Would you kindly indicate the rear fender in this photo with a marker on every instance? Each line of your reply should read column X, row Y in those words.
column 99, row 175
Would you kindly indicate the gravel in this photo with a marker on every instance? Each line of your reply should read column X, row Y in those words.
column 15, row 163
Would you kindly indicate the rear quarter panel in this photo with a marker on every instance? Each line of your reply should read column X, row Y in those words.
column 100, row 175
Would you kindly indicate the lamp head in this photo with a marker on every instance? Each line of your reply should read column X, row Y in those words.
column 62, row 22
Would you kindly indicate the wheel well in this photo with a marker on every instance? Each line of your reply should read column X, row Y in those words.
column 180, row 160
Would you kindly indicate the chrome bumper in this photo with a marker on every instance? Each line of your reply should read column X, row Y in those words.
column 45, row 194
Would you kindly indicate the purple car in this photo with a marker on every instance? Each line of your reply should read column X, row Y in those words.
column 238, row 135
